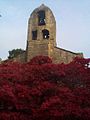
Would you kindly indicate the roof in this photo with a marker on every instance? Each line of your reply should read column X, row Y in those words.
column 68, row 51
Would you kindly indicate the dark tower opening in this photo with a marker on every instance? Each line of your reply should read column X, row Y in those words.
column 41, row 18
column 45, row 34
column 34, row 35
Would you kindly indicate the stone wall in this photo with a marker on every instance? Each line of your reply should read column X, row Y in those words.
column 64, row 56
column 40, row 46
column 58, row 55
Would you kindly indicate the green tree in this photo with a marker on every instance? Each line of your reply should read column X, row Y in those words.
column 15, row 52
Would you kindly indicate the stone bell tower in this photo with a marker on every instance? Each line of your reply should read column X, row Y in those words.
column 41, row 38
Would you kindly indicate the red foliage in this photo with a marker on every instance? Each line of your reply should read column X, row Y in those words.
column 41, row 91
column 40, row 60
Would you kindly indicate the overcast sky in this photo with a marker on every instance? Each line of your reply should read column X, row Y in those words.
column 72, row 19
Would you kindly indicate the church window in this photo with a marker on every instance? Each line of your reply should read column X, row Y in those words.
column 34, row 35
column 45, row 34
column 41, row 18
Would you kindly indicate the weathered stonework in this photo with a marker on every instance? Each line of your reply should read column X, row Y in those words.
column 41, row 46
column 41, row 38
column 62, row 55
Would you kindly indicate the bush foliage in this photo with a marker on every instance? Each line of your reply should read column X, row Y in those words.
column 41, row 90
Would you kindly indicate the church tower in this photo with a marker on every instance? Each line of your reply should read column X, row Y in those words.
column 41, row 38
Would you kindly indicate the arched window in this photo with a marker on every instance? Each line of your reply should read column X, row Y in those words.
column 45, row 34
column 34, row 35
column 41, row 18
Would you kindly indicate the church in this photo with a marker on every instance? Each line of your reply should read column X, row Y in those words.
column 41, row 38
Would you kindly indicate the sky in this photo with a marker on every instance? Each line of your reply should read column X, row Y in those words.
column 72, row 23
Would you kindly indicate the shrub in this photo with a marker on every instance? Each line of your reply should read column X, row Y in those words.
column 36, row 91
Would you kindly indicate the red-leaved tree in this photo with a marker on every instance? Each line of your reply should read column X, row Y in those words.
column 41, row 90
